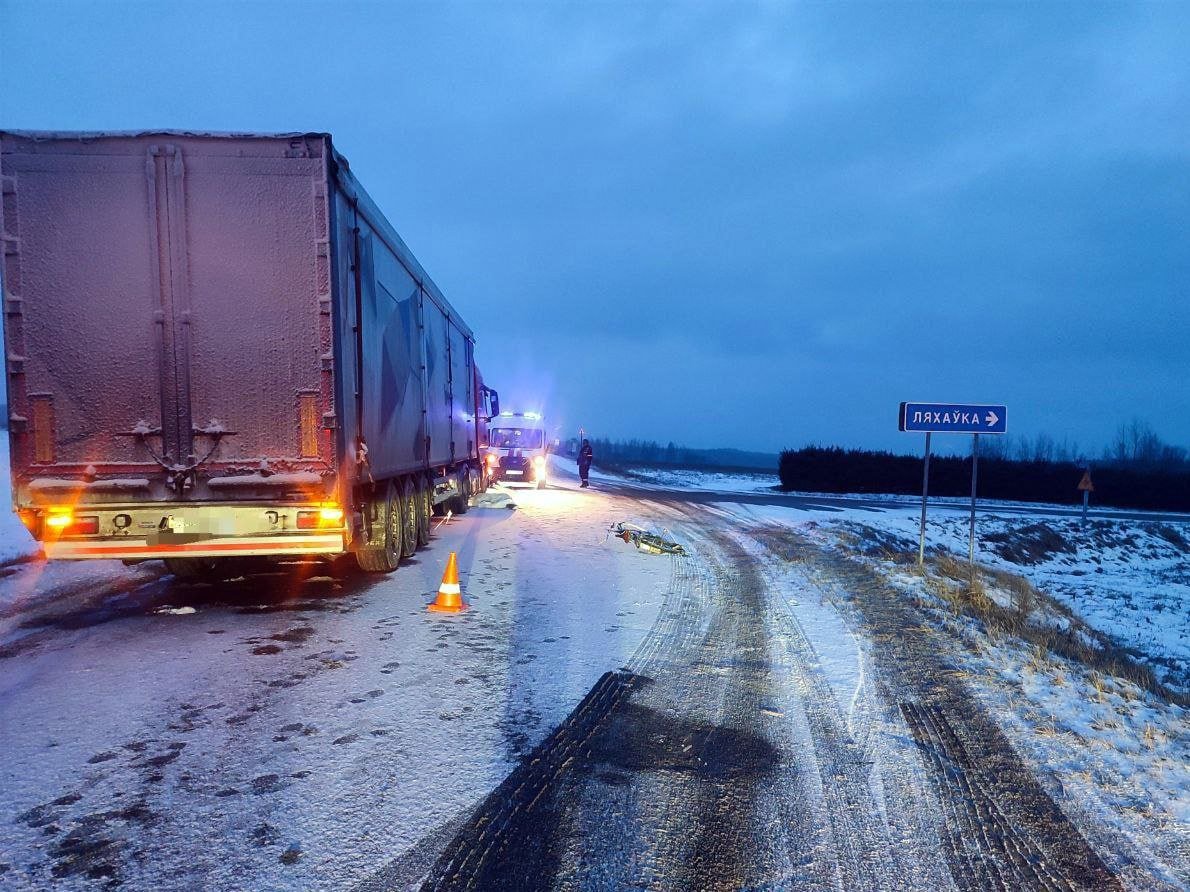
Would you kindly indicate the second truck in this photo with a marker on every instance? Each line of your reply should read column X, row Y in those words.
column 218, row 346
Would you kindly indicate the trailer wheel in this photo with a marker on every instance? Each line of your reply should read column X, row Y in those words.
column 194, row 569
column 409, row 514
column 383, row 552
column 438, row 509
column 425, row 509
column 460, row 503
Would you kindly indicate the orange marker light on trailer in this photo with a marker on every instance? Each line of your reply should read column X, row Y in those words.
column 326, row 516
column 59, row 519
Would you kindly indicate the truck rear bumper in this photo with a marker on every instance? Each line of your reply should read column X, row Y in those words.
column 203, row 530
column 238, row 546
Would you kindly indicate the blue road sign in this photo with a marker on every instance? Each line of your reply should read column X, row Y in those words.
column 953, row 418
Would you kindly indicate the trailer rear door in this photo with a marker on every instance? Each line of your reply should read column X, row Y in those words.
column 168, row 303
column 258, row 325
column 83, row 353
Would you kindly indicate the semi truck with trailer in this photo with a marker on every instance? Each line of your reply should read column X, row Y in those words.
column 217, row 346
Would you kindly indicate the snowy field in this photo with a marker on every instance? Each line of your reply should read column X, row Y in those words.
column 709, row 481
column 677, row 478
column 1127, row 579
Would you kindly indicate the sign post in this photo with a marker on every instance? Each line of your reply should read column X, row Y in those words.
column 974, row 478
column 925, row 493
column 952, row 418
column 1086, row 487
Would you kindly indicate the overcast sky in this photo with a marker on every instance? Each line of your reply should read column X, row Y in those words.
column 723, row 224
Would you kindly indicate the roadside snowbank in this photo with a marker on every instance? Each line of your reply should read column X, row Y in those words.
column 1110, row 754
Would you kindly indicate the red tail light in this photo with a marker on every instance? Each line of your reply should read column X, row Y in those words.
column 84, row 526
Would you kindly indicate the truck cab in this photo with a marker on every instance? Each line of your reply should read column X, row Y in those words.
column 517, row 449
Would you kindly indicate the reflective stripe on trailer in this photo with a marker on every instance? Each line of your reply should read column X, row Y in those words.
column 247, row 547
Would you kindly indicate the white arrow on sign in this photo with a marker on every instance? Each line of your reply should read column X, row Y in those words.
column 992, row 419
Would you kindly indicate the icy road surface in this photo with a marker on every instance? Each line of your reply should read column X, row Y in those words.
column 298, row 733
column 599, row 719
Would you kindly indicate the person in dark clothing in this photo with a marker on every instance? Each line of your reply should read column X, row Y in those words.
column 585, row 456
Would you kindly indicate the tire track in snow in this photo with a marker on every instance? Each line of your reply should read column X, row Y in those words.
column 862, row 849
column 689, row 777
column 999, row 829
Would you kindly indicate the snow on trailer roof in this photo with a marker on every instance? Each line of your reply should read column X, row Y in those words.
column 84, row 135
column 341, row 171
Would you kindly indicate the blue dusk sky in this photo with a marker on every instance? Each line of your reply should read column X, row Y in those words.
column 724, row 224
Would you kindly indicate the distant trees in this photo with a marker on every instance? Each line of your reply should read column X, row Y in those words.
column 1136, row 470
column 1137, row 445
column 1134, row 445
column 649, row 452
column 1042, row 447
column 624, row 453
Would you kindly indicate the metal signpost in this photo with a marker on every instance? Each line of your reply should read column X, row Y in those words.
column 1086, row 487
column 951, row 418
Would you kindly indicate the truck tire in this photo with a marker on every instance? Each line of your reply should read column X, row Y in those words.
column 460, row 503
column 383, row 553
column 425, row 510
column 439, row 509
column 409, row 514
column 194, row 569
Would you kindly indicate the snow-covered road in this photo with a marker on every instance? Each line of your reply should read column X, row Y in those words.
column 299, row 732
column 768, row 712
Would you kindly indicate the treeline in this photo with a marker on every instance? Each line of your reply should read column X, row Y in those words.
column 627, row 453
column 1127, row 483
column 1136, row 469
column 1135, row 445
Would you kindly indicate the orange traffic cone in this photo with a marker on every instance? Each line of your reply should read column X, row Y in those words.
column 450, row 596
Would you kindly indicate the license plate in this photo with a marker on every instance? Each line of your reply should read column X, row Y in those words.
column 515, row 473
